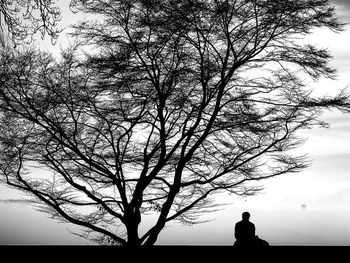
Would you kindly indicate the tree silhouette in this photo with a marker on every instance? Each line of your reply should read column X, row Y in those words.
column 174, row 102
column 21, row 20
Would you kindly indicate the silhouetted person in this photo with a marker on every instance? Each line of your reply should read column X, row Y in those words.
column 244, row 230
column 245, row 234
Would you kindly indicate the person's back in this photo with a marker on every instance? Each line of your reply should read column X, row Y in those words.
column 244, row 230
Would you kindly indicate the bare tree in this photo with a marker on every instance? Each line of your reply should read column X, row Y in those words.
column 176, row 101
column 21, row 20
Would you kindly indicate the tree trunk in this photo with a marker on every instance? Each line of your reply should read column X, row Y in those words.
column 133, row 239
column 132, row 225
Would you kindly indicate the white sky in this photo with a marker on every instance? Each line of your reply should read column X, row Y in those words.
column 308, row 208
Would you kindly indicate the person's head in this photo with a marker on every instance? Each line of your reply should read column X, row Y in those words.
column 245, row 216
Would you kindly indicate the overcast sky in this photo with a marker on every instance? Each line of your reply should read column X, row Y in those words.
column 297, row 209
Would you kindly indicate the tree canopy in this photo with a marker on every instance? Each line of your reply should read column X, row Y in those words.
column 174, row 102
column 21, row 20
